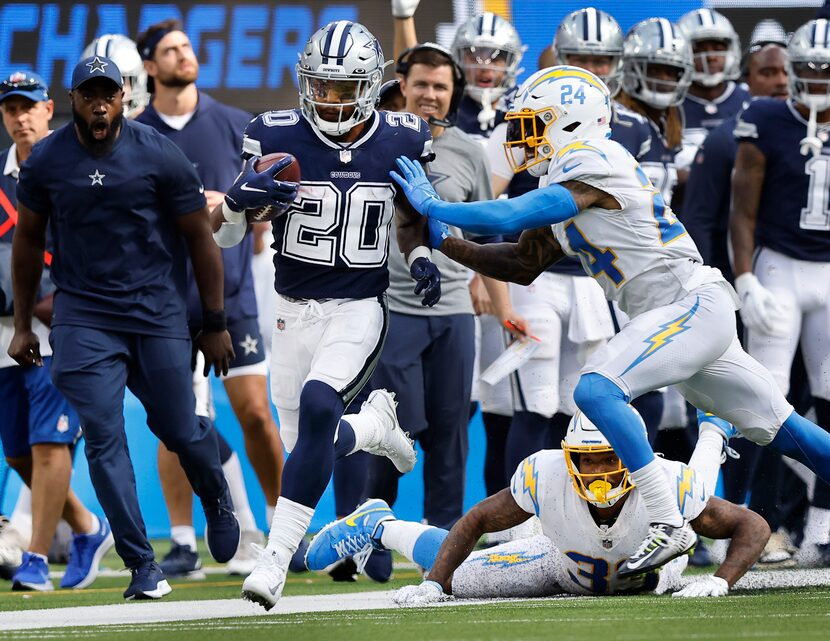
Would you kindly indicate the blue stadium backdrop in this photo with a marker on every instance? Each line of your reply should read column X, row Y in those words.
column 247, row 53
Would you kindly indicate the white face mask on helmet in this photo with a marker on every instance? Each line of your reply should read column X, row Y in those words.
column 703, row 25
column 657, row 42
column 808, row 66
column 583, row 437
column 489, row 43
column 595, row 33
column 124, row 53
column 552, row 108
column 340, row 72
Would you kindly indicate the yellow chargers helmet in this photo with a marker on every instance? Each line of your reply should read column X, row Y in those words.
column 584, row 437
column 553, row 108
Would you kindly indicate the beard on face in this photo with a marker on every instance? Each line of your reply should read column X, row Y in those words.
column 96, row 146
column 177, row 79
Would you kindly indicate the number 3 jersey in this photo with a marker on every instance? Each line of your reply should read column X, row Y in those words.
column 640, row 254
column 793, row 212
column 334, row 240
column 590, row 554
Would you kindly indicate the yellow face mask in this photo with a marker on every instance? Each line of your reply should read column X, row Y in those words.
column 596, row 488
column 526, row 134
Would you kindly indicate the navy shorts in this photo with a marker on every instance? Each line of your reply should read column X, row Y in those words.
column 34, row 411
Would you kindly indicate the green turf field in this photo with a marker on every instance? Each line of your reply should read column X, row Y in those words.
column 797, row 614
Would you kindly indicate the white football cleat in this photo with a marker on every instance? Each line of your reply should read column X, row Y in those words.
column 392, row 442
column 662, row 544
column 244, row 561
column 264, row 585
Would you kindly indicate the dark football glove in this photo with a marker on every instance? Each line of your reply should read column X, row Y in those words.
column 428, row 280
column 252, row 189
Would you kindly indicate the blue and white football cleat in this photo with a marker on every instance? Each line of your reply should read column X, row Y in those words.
column 148, row 582
column 33, row 574
column 706, row 421
column 85, row 556
column 355, row 535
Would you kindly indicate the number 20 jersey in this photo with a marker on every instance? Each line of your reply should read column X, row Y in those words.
column 793, row 213
column 334, row 240
column 641, row 254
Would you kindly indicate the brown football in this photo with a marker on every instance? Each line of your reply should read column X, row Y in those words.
column 291, row 173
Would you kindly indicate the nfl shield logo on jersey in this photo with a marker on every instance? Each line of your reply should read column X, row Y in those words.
column 281, row 324
column 63, row 423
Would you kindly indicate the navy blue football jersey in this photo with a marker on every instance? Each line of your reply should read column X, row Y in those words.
column 119, row 260
column 658, row 162
column 212, row 140
column 707, row 195
column 631, row 130
column 334, row 240
column 467, row 119
column 702, row 116
column 794, row 212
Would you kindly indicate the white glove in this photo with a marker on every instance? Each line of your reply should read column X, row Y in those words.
column 707, row 586
column 670, row 574
column 414, row 596
column 759, row 308
column 404, row 8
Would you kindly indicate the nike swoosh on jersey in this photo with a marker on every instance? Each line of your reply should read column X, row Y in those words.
column 353, row 520
column 244, row 187
column 566, row 169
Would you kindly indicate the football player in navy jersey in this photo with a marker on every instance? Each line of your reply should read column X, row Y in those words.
column 780, row 235
column 657, row 72
column 713, row 95
column 706, row 217
column 119, row 200
column 489, row 50
column 210, row 135
column 331, row 247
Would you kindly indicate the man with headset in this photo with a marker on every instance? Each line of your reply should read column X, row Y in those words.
column 428, row 357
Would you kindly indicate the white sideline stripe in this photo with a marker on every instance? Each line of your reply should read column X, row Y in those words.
column 170, row 611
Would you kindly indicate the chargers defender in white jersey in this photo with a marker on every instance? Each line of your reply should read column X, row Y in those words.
column 592, row 519
column 331, row 242
column 597, row 204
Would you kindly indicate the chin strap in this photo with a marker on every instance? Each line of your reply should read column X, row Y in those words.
column 811, row 143
column 487, row 115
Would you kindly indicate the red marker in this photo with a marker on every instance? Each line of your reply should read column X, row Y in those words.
column 511, row 325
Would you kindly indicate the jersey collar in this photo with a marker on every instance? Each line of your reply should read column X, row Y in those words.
column 367, row 133
column 730, row 89
column 791, row 106
column 12, row 168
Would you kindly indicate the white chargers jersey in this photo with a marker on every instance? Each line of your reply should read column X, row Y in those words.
column 641, row 254
column 590, row 554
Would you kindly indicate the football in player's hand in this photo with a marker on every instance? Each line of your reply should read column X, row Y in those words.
column 290, row 173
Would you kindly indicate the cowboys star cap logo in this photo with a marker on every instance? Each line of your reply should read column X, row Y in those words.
column 96, row 64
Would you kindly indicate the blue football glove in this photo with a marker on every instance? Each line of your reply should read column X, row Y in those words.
column 428, row 280
column 415, row 184
column 438, row 233
column 252, row 189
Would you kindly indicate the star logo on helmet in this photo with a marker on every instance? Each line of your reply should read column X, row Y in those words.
column 96, row 64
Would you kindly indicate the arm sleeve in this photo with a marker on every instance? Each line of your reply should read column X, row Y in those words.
column 707, row 190
column 537, row 208
column 179, row 188
column 30, row 191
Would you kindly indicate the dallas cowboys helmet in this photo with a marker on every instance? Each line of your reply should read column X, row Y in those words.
column 591, row 32
column 809, row 64
column 583, row 437
column 657, row 42
column 552, row 108
column 340, row 72
column 488, row 41
column 124, row 53
column 704, row 24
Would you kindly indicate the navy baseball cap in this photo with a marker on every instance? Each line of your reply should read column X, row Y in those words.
column 26, row 84
column 95, row 67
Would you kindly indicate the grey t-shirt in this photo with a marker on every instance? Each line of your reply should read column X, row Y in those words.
column 459, row 173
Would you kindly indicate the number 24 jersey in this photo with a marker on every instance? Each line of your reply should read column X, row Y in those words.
column 334, row 240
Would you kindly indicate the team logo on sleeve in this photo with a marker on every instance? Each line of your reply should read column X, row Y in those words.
column 530, row 478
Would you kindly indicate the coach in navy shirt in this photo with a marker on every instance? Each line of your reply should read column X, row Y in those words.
column 120, row 199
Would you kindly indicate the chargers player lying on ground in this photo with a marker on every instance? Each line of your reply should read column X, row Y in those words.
column 592, row 517
column 596, row 203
